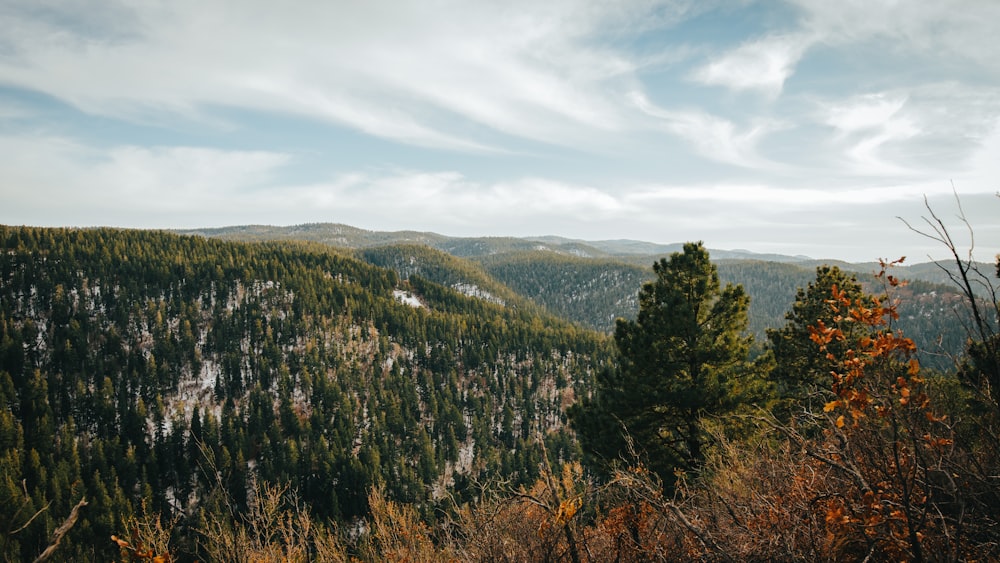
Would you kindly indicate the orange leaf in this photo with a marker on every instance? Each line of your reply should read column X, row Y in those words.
column 933, row 418
column 840, row 421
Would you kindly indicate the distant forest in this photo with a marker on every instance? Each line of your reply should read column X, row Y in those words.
column 594, row 283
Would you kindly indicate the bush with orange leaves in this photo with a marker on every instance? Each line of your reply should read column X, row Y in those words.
column 883, row 480
column 893, row 453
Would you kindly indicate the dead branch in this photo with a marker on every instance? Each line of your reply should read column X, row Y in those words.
column 62, row 530
column 27, row 500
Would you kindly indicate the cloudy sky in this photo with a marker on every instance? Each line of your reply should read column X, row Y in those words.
column 800, row 127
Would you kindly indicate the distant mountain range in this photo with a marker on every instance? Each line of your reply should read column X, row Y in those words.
column 592, row 283
column 636, row 252
column 347, row 236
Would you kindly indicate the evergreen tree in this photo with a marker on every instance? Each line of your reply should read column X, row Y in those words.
column 678, row 362
column 799, row 372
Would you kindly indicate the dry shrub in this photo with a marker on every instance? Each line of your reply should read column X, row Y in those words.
column 148, row 539
column 275, row 528
column 537, row 523
column 396, row 533
column 642, row 524
column 564, row 517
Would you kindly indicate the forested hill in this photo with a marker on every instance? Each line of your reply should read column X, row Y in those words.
column 149, row 369
column 593, row 292
column 346, row 236
column 464, row 276
column 592, row 283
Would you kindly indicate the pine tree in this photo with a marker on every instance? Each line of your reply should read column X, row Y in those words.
column 678, row 362
column 799, row 372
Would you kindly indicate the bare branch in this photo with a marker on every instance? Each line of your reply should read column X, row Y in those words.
column 968, row 277
column 32, row 519
column 703, row 538
column 62, row 530
column 27, row 500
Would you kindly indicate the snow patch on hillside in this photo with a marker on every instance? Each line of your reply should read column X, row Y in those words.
column 407, row 298
column 473, row 290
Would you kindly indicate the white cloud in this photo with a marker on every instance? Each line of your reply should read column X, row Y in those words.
column 865, row 125
column 867, row 112
column 762, row 65
column 166, row 173
column 50, row 177
column 421, row 200
column 195, row 186
column 374, row 119
column 711, row 136
column 39, row 171
column 965, row 29
column 982, row 171
column 933, row 130
column 773, row 198
column 399, row 70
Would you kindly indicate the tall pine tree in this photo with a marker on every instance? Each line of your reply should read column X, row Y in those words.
column 677, row 363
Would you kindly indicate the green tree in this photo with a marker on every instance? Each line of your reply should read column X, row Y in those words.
column 679, row 361
column 799, row 372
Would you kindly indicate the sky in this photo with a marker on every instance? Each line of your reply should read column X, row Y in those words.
column 804, row 127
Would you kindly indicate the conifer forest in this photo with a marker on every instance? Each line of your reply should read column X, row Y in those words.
column 215, row 397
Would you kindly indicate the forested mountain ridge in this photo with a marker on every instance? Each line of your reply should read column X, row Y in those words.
column 639, row 253
column 784, row 273
column 593, row 292
column 144, row 368
column 590, row 291
column 464, row 276
column 771, row 278
column 346, row 236
column 594, row 282
column 334, row 234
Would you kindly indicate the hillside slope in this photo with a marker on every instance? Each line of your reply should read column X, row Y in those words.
column 443, row 268
column 145, row 368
